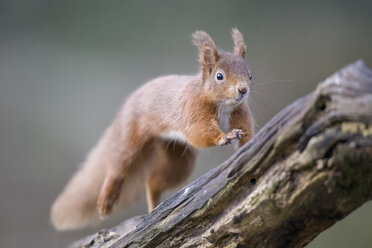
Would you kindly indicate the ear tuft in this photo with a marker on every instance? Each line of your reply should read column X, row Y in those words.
column 207, row 51
column 201, row 38
column 239, row 47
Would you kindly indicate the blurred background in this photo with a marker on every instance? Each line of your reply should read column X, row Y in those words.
column 67, row 66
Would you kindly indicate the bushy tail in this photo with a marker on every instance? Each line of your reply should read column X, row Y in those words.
column 76, row 206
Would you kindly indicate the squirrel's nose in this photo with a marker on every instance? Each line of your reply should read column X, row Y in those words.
column 242, row 90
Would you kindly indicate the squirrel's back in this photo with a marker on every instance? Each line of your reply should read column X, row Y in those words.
column 160, row 101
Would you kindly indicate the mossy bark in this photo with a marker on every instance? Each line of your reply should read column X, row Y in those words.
column 307, row 168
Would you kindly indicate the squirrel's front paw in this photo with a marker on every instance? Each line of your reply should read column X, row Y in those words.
column 235, row 134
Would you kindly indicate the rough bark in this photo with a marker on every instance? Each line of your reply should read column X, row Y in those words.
column 307, row 168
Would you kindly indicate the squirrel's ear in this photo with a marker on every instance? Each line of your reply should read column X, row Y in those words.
column 239, row 47
column 207, row 51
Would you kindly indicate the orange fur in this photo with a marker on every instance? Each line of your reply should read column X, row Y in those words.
column 152, row 142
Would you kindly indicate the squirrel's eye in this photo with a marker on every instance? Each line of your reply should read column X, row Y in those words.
column 250, row 77
column 219, row 76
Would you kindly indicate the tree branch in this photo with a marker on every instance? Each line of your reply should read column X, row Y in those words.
column 307, row 168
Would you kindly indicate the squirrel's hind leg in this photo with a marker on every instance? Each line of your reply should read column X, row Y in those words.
column 173, row 163
column 127, row 160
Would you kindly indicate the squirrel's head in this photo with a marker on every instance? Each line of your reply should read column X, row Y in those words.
column 226, row 76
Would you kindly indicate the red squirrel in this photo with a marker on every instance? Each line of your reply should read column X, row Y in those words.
column 153, row 141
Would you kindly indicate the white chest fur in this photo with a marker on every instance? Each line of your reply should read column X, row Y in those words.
column 224, row 113
column 174, row 135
